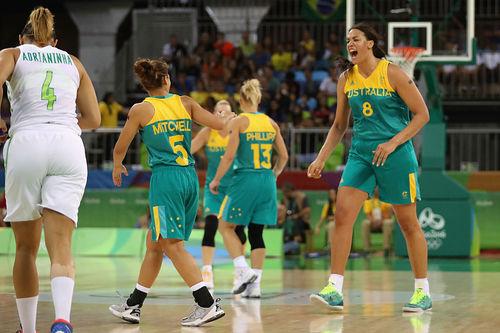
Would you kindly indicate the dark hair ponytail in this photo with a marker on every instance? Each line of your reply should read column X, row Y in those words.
column 151, row 72
column 343, row 64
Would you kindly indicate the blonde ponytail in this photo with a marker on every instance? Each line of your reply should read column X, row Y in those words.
column 41, row 22
column 251, row 91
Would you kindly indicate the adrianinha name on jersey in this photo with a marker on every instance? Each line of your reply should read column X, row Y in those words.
column 181, row 125
column 369, row 92
column 47, row 58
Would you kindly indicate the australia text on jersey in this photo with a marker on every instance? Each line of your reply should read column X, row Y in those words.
column 369, row 92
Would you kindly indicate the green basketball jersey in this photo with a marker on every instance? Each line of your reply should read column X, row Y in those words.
column 378, row 111
column 215, row 149
column 256, row 143
column 167, row 136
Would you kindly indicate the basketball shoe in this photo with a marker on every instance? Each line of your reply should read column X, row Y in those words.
column 61, row 326
column 419, row 302
column 243, row 277
column 329, row 297
column 200, row 315
column 132, row 314
column 252, row 290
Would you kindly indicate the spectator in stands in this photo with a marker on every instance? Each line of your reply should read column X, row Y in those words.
column 307, row 42
column 225, row 47
column 182, row 85
column 200, row 93
column 246, row 46
column 328, row 215
column 268, row 44
column 110, row 110
column 309, row 88
column 260, row 57
column 174, row 53
column 273, row 83
column 281, row 59
column 213, row 68
column 379, row 218
column 328, row 86
column 322, row 113
column 296, row 225
column 204, row 46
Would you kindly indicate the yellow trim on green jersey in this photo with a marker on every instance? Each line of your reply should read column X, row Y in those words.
column 169, row 108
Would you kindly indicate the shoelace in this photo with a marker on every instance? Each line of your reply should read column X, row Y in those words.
column 417, row 297
column 327, row 290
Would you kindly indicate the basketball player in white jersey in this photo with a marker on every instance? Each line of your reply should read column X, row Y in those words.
column 45, row 164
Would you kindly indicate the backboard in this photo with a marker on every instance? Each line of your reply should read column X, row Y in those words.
column 444, row 28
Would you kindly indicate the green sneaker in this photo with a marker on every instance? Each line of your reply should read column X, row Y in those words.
column 419, row 302
column 329, row 297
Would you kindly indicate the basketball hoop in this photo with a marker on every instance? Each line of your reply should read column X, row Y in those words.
column 406, row 57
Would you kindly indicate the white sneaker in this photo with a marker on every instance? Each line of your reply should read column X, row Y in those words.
column 243, row 277
column 208, row 278
column 200, row 315
column 252, row 291
column 132, row 314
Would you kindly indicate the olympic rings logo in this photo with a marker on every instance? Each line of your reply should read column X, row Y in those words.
column 427, row 218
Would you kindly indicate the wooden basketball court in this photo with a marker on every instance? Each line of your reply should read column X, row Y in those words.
column 465, row 298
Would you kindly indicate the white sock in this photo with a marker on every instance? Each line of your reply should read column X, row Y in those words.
column 198, row 286
column 259, row 275
column 142, row 288
column 337, row 280
column 26, row 308
column 207, row 268
column 62, row 295
column 240, row 262
column 423, row 284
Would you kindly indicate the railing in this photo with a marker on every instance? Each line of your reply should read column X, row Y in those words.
column 99, row 146
column 473, row 149
column 467, row 149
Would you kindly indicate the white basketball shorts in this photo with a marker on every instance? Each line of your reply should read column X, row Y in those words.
column 44, row 169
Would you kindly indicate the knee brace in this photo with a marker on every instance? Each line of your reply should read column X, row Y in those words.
column 255, row 232
column 240, row 232
column 211, row 224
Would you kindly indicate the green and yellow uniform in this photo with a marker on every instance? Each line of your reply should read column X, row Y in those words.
column 215, row 149
column 251, row 197
column 173, row 193
column 379, row 114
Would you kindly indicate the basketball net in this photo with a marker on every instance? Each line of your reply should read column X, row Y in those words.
column 406, row 57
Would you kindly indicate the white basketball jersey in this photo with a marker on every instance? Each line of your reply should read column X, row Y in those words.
column 43, row 89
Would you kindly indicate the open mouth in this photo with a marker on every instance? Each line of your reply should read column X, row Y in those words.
column 353, row 53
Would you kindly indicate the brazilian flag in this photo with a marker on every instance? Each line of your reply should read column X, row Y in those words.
column 323, row 10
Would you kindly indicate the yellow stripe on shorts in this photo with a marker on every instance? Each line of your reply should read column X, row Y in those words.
column 222, row 206
column 156, row 218
column 413, row 187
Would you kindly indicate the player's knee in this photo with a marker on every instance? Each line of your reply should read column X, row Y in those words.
column 225, row 227
column 341, row 216
column 26, row 249
column 211, row 223
column 240, row 232
column 255, row 232
column 410, row 228
column 172, row 248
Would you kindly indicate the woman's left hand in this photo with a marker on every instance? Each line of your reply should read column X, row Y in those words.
column 382, row 152
column 118, row 170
